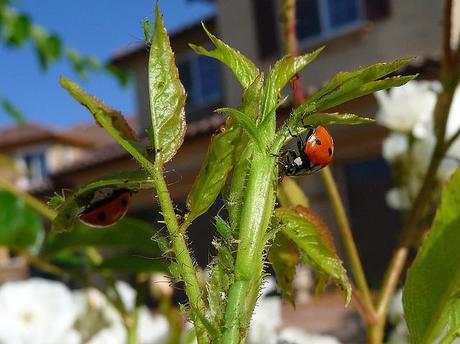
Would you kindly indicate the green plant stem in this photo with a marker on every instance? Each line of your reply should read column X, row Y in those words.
column 30, row 200
column 347, row 238
column 179, row 246
column 255, row 217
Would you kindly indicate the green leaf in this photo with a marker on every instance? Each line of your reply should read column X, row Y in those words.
column 48, row 46
column 247, row 123
column 314, row 242
column 432, row 289
column 13, row 111
column 108, row 118
column 16, row 28
column 133, row 264
column 243, row 68
column 335, row 118
column 20, row 226
column 284, row 257
column 122, row 75
column 346, row 86
column 283, row 71
column 69, row 211
column 291, row 194
column 167, row 96
column 127, row 233
column 213, row 172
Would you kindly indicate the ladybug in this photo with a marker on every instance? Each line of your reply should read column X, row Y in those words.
column 106, row 208
column 314, row 153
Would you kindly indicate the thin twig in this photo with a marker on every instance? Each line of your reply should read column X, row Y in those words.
column 447, row 28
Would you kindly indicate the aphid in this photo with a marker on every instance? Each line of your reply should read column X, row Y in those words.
column 107, row 210
column 314, row 153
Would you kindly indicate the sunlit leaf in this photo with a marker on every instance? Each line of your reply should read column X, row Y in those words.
column 314, row 243
column 346, row 86
column 243, row 68
column 284, row 257
column 70, row 210
column 167, row 96
column 108, row 118
column 282, row 72
column 20, row 226
column 326, row 119
column 247, row 123
column 432, row 288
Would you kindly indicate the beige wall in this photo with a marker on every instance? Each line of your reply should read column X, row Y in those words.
column 57, row 155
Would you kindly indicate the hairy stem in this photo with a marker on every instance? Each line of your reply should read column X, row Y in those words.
column 181, row 252
column 255, row 217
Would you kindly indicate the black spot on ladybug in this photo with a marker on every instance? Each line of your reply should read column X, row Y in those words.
column 318, row 142
column 124, row 202
column 102, row 216
column 330, row 151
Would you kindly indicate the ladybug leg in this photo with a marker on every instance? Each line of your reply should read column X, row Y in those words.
column 307, row 126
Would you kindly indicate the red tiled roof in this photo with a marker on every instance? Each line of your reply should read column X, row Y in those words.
column 33, row 133
column 113, row 151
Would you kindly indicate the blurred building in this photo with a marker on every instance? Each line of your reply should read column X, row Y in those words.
column 356, row 33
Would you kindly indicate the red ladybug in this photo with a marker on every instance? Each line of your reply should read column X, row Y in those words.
column 314, row 153
column 108, row 210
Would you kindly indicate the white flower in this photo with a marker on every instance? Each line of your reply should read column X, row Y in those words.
column 398, row 198
column 394, row 146
column 395, row 310
column 408, row 108
column 37, row 311
column 127, row 294
column 295, row 335
column 265, row 321
column 267, row 316
column 92, row 300
column 453, row 123
column 152, row 329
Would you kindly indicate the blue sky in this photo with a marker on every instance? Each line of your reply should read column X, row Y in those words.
column 98, row 28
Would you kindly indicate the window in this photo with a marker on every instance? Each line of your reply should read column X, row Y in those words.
column 200, row 76
column 35, row 166
column 319, row 19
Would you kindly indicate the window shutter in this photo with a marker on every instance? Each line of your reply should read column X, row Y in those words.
column 266, row 27
column 377, row 9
